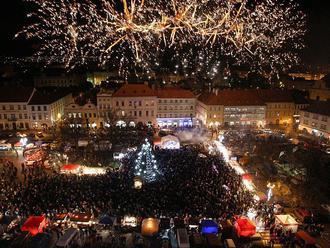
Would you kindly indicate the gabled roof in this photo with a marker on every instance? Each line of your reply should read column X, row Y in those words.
column 232, row 98
column 134, row 90
column 275, row 95
column 174, row 93
column 15, row 94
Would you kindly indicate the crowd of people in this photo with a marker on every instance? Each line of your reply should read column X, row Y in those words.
column 188, row 184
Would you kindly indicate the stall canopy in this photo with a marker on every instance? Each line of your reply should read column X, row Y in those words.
column 70, row 167
column 308, row 240
column 150, row 227
column 209, row 226
column 106, row 220
column 287, row 222
column 170, row 142
column 81, row 217
column 245, row 227
column 34, row 225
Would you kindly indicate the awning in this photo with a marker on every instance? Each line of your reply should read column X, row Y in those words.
column 34, row 225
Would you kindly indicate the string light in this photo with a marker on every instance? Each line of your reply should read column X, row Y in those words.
column 146, row 164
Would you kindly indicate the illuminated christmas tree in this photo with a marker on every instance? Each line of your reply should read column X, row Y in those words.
column 145, row 164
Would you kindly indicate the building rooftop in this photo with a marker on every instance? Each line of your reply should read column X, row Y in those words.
column 44, row 97
column 232, row 98
column 246, row 97
column 15, row 94
column 134, row 90
column 174, row 93
column 319, row 107
column 275, row 95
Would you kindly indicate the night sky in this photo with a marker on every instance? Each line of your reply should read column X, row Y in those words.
column 13, row 13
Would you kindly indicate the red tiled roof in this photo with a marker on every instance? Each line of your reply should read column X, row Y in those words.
column 174, row 93
column 275, row 95
column 134, row 90
column 232, row 98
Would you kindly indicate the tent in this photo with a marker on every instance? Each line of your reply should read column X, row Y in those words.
column 209, row 226
column 106, row 220
column 170, row 142
column 150, row 227
column 70, row 168
column 34, row 225
column 287, row 222
column 245, row 227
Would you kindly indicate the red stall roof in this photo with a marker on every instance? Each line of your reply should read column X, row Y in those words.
column 70, row 167
column 34, row 225
column 306, row 237
column 245, row 227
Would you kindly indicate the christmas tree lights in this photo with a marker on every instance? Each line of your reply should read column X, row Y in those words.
column 145, row 164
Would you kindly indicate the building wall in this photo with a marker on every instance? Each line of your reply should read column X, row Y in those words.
column 104, row 107
column 279, row 113
column 176, row 111
column 319, row 94
column 14, row 115
column 244, row 115
column 82, row 116
column 47, row 115
column 315, row 124
column 137, row 109
column 210, row 115
column 60, row 80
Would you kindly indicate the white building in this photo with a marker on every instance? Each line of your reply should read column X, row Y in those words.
column 14, row 113
column 104, row 108
column 136, row 102
column 176, row 107
column 316, row 119
column 46, row 108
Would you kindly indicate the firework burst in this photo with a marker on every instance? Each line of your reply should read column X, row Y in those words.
column 131, row 34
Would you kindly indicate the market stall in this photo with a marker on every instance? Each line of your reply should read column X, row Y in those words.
column 81, row 219
column 245, row 227
column 209, row 226
column 170, row 142
column 129, row 221
column 71, row 168
column 287, row 222
column 34, row 225
column 150, row 227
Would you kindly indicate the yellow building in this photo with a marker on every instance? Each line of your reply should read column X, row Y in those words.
column 246, row 107
column 82, row 116
column 280, row 106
